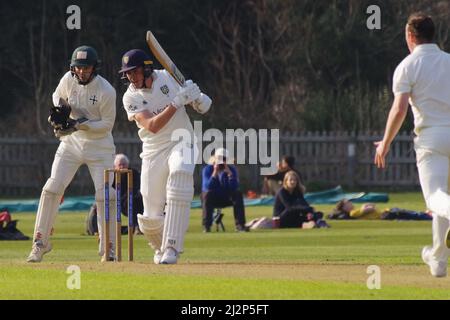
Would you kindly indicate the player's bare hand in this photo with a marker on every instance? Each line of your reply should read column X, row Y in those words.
column 380, row 154
column 216, row 169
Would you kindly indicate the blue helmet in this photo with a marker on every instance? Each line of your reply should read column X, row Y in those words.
column 134, row 59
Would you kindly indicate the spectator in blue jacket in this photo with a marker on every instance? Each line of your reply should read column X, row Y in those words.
column 220, row 188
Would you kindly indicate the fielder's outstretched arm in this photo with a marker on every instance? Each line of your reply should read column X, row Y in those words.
column 395, row 120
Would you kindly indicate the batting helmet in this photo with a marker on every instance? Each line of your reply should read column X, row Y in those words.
column 134, row 59
column 84, row 56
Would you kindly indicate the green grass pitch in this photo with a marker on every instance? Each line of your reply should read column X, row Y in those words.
column 263, row 264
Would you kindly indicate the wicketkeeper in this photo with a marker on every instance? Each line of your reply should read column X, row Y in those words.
column 157, row 104
column 82, row 118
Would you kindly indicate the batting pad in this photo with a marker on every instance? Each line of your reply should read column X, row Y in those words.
column 153, row 230
column 47, row 210
column 180, row 191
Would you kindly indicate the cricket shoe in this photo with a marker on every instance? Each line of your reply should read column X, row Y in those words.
column 438, row 269
column 170, row 256
column 38, row 251
column 157, row 257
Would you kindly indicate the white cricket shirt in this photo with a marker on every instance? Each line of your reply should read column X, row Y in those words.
column 425, row 74
column 95, row 101
column 155, row 100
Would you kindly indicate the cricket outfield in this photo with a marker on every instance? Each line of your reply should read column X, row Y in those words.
column 264, row 264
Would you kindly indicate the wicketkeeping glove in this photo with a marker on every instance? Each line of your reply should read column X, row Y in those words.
column 72, row 126
column 59, row 117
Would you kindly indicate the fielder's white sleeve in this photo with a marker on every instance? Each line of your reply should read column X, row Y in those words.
column 402, row 82
column 61, row 90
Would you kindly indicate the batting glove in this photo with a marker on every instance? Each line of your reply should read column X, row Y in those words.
column 188, row 94
column 202, row 104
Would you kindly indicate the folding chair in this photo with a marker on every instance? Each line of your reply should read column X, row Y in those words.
column 217, row 218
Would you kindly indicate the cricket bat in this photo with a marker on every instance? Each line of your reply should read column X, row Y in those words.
column 164, row 59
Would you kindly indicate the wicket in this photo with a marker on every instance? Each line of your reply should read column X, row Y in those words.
column 106, row 233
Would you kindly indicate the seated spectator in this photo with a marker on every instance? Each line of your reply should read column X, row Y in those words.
column 121, row 162
column 220, row 188
column 8, row 227
column 273, row 183
column 346, row 210
column 291, row 209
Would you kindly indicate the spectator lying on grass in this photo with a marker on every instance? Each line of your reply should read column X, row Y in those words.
column 346, row 210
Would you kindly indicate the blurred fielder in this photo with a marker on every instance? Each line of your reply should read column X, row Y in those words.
column 423, row 79
column 82, row 117
column 156, row 102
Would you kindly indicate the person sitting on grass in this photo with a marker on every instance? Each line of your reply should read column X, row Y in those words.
column 291, row 208
column 273, row 183
column 368, row 211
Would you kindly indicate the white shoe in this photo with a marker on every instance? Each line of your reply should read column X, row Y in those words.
column 437, row 268
column 38, row 251
column 157, row 257
column 170, row 256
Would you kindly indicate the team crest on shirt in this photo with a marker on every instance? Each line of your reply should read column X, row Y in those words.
column 165, row 89
column 93, row 99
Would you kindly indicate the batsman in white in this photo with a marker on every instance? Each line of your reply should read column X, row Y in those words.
column 156, row 102
column 423, row 79
column 85, row 139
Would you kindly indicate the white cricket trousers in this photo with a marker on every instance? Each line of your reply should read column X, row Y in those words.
column 432, row 147
column 167, row 187
column 68, row 159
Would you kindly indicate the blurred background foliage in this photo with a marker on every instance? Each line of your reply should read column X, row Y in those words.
column 293, row 65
